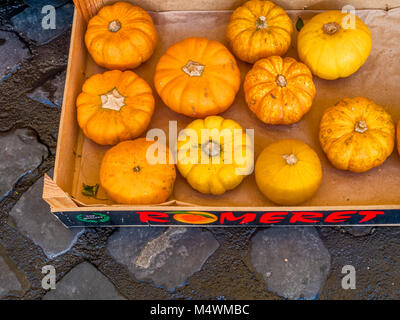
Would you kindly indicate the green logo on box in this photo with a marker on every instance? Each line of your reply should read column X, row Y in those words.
column 93, row 217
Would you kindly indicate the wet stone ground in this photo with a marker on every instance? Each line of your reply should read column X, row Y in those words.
column 145, row 263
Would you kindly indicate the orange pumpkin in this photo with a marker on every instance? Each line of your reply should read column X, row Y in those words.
column 398, row 137
column 259, row 29
column 197, row 77
column 121, row 36
column 279, row 91
column 114, row 106
column 130, row 177
column 356, row 134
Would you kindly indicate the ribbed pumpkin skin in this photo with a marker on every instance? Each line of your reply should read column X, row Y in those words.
column 126, row 48
column 287, row 184
column 273, row 103
column 214, row 178
column 106, row 126
column 129, row 178
column 250, row 40
column 349, row 149
column 210, row 93
column 337, row 55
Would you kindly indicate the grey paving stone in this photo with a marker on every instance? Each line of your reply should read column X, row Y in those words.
column 42, row 3
column 20, row 152
column 165, row 257
column 51, row 92
column 31, row 215
column 293, row 261
column 28, row 23
column 84, row 282
column 357, row 231
column 13, row 51
column 8, row 8
column 9, row 283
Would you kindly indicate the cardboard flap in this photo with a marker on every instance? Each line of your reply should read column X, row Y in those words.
column 88, row 9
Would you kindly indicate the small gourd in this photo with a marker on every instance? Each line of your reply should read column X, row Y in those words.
column 288, row 172
column 114, row 106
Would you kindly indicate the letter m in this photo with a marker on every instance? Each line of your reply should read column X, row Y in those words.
column 245, row 218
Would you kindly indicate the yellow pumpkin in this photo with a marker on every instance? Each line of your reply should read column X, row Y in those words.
column 288, row 172
column 334, row 44
column 214, row 155
column 356, row 134
column 279, row 91
column 197, row 77
column 121, row 36
column 259, row 29
column 114, row 106
column 129, row 177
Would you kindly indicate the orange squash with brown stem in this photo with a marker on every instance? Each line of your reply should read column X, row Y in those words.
column 114, row 106
column 259, row 29
column 279, row 90
column 121, row 36
column 197, row 77
column 357, row 134
column 129, row 176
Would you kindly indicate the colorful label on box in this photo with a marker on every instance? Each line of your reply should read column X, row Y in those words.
column 230, row 218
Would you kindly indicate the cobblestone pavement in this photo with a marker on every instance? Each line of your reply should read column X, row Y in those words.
column 146, row 263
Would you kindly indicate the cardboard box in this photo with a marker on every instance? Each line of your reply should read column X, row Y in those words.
column 371, row 198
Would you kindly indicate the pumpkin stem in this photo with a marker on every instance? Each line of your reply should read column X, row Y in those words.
column 261, row 22
column 114, row 26
column 331, row 28
column 361, row 126
column 281, row 80
column 193, row 68
column 112, row 100
column 212, row 148
column 291, row 159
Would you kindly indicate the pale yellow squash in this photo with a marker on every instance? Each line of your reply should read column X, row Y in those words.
column 334, row 44
column 216, row 162
column 288, row 172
